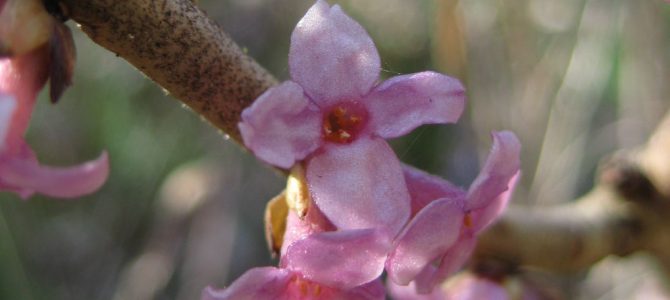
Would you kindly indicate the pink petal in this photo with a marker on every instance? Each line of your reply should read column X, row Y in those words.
column 281, row 127
column 408, row 292
column 22, row 77
column 27, row 175
column 426, row 238
column 7, row 108
column 257, row 283
column 502, row 164
column 425, row 188
column 483, row 217
column 370, row 291
column 341, row 259
column 405, row 102
column 331, row 56
column 360, row 185
column 451, row 262
column 302, row 289
column 298, row 229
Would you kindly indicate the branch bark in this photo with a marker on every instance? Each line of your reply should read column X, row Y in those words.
column 627, row 211
column 176, row 45
column 569, row 237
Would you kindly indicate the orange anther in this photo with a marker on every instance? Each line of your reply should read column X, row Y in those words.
column 343, row 122
column 467, row 220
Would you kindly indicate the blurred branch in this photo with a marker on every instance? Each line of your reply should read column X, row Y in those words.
column 627, row 211
column 181, row 49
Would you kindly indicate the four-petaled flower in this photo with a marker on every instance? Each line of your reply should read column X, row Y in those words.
column 448, row 219
column 281, row 284
column 316, row 263
column 335, row 116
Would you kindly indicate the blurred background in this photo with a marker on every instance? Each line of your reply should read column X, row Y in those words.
column 183, row 206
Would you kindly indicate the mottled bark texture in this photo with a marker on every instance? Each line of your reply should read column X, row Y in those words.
column 176, row 45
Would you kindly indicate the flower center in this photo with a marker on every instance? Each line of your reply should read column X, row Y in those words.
column 305, row 289
column 467, row 220
column 343, row 122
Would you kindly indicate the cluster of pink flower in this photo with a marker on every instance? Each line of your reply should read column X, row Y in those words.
column 35, row 48
column 358, row 210
column 365, row 212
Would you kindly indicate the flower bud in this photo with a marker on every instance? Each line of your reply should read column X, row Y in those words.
column 24, row 25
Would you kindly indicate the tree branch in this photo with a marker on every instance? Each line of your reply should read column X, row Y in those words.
column 627, row 211
column 570, row 237
column 180, row 48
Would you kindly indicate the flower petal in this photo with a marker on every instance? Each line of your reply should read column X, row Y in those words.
column 331, row 56
column 452, row 261
column 501, row 165
column 298, row 229
column 27, row 175
column 425, row 188
column 360, row 185
column 405, row 102
column 483, row 217
column 370, row 291
column 408, row 292
column 257, row 283
column 341, row 259
column 22, row 77
column 426, row 238
column 281, row 127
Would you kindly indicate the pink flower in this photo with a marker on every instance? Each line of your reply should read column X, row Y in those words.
column 316, row 263
column 334, row 115
column 21, row 78
column 271, row 283
column 448, row 219
column 343, row 259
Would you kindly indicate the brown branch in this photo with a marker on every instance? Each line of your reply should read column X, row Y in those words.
column 627, row 211
column 178, row 47
column 564, row 238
